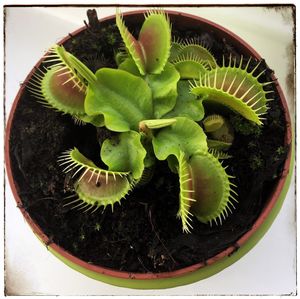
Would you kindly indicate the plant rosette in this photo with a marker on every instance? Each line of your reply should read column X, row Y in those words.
column 178, row 112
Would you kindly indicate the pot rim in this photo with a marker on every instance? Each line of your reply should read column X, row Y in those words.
column 150, row 276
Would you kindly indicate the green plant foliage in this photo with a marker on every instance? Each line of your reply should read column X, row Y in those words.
column 280, row 150
column 95, row 192
column 190, row 67
column 113, row 97
column 164, row 90
column 150, row 124
column 176, row 46
column 55, row 89
column 80, row 74
column 96, row 120
column 212, row 188
column 132, row 45
column 198, row 53
column 120, row 57
column 191, row 58
column 158, row 114
column 187, row 104
column 225, row 133
column 218, row 153
column 205, row 189
column 213, row 122
column 193, row 47
column 163, row 86
column 146, row 176
column 155, row 37
column 183, row 136
column 186, row 193
column 219, row 128
column 129, row 66
column 124, row 152
column 235, row 88
column 95, row 187
column 152, row 49
column 218, row 145
column 63, row 85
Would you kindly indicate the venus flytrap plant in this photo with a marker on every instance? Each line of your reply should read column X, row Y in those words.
column 156, row 113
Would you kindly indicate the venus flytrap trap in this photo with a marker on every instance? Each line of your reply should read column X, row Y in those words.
column 219, row 131
column 154, row 102
column 235, row 87
column 191, row 58
column 152, row 49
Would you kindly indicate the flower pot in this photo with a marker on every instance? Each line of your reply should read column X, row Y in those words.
column 196, row 271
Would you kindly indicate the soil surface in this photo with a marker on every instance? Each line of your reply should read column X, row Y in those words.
column 143, row 233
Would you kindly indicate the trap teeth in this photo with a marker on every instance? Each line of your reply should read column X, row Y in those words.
column 95, row 186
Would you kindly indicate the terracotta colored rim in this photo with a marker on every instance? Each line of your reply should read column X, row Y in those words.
column 245, row 48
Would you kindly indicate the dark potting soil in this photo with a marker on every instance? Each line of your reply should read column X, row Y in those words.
column 143, row 233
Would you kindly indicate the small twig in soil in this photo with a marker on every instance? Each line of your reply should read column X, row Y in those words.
column 156, row 234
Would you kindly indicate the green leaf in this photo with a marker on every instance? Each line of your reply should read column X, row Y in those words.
column 122, row 98
column 120, row 56
column 124, row 152
column 185, row 135
column 219, row 154
column 70, row 64
column 187, row 104
column 155, row 38
column 56, row 89
column 213, row 122
column 95, row 187
column 236, row 89
column 176, row 46
column 152, row 49
column 186, row 193
column 212, row 188
column 205, row 189
column 133, row 46
column 190, row 68
column 193, row 50
column 225, row 133
column 190, row 59
column 96, row 120
column 129, row 66
column 218, row 145
column 157, row 123
column 164, row 90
